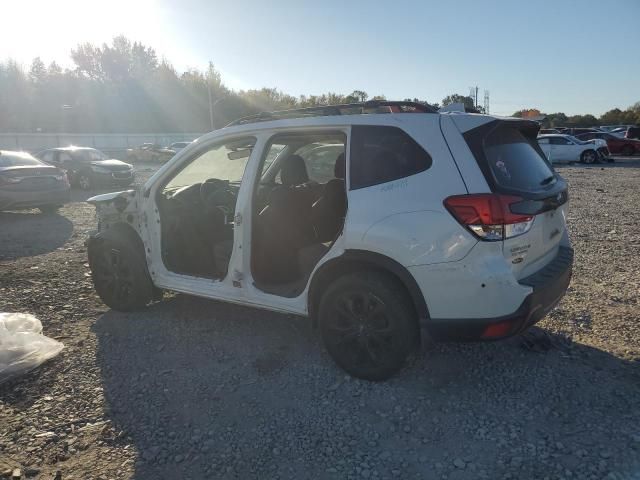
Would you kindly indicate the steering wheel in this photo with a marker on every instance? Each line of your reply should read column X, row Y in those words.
column 217, row 197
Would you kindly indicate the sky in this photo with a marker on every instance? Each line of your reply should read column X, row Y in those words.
column 558, row 56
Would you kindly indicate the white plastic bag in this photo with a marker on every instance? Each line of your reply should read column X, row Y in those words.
column 22, row 345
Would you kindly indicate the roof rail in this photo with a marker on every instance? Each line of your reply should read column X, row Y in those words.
column 372, row 106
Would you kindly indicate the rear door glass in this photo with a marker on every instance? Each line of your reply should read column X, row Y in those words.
column 514, row 161
column 381, row 154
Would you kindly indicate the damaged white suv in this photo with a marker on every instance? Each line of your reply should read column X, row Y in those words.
column 374, row 219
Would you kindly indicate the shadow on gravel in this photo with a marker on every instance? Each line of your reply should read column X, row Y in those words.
column 210, row 390
column 28, row 233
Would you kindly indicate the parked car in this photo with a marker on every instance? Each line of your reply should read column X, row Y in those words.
column 88, row 167
column 149, row 152
column 546, row 131
column 26, row 182
column 565, row 149
column 600, row 146
column 452, row 222
column 633, row 133
column 616, row 145
column 177, row 146
column 578, row 130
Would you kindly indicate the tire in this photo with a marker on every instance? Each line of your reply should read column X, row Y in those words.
column 627, row 150
column 84, row 181
column 603, row 153
column 589, row 157
column 374, row 345
column 49, row 209
column 119, row 273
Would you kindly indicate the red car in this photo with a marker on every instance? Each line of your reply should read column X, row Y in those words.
column 616, row 145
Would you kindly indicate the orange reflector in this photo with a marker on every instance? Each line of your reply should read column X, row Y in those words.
column 497, row 330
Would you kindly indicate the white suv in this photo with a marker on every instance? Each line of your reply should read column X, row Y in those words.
column 373, row 219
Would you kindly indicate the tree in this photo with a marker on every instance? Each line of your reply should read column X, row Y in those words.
column 356, row 96
column 528, row 113
column 37, row 72
column 456, row 98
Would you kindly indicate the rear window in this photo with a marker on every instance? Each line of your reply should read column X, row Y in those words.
column 514, row 161
column 382, row 154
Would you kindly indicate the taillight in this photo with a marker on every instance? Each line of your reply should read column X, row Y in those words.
column 488, row 215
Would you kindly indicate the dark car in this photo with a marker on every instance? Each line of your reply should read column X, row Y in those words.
column 616, row 145
column 633, row 133
column 26, row 182
column 88, row 167
column 547, row 131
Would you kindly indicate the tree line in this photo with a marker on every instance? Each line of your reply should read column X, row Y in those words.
column 630, row 116
column 123, row 87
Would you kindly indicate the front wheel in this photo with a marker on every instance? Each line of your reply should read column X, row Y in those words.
column 589, row 157
column 119, row 273
column 368, row 325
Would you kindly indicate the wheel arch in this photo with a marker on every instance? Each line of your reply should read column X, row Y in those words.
column 120, row 230
column 353, row 260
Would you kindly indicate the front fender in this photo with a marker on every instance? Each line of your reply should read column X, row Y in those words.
column 118, row 207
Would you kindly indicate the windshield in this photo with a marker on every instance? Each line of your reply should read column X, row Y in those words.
column 18, row 160
column 222, row 162
column 90, row 155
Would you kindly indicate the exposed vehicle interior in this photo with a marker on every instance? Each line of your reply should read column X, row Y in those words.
column 197, row 210
column 299, row 208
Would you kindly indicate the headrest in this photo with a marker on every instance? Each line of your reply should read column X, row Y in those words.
column 294, row 171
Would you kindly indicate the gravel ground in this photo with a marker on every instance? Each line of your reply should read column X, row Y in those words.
column 192, row 389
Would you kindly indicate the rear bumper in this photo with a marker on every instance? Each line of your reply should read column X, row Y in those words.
column 19, row 200
column 549, row 286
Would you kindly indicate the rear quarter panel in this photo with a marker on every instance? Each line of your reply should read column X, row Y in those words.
column 405, row 219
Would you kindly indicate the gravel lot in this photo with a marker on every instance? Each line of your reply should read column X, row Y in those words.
column 196, row 389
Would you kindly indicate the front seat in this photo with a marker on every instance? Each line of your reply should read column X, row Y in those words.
column 328, row 212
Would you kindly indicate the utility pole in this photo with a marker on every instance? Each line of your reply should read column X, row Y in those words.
column 210, row 102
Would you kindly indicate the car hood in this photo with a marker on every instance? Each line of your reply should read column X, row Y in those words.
column 32, row 169
column 105, row 198
column 596, row 141
column 112, row 164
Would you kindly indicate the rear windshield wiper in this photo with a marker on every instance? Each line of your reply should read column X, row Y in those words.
column 548, row 180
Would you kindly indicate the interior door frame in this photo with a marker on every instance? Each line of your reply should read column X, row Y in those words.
column 229, row 288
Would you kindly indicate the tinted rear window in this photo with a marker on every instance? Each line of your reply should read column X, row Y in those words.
column 381, row 154
column 514, row 161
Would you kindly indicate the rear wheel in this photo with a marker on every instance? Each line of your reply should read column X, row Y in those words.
column 368, row 325
column 627, row 150
column 119, row 273
column 589, row 157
